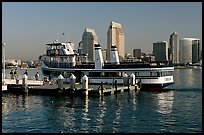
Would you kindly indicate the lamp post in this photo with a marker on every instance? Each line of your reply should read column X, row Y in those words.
column 3, row 45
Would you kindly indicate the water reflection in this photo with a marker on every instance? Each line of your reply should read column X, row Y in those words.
column 5, row 109
column 191, row 78
column 85, row 116
column 70, row 118
column 165, row 102
column 100, row 115
column 86, row 103
column 116, row 121
column 15, row 103
column 134, row 101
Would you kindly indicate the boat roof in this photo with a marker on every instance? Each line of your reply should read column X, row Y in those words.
column 54, row 44
column 114, row 69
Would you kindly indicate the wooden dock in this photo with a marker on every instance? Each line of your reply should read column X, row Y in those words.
column 93, row 90
column 70, row 89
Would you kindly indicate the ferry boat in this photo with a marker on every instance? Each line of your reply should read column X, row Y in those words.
column 60, row 58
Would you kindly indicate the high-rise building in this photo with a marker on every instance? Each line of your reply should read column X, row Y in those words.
column 137, row 53
column 196, row 51
column 160, row 51
column 174, row 48
column 115, row 37
column 89, row 39
column 189, row 50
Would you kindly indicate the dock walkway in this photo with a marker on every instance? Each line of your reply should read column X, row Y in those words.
column 93, row 89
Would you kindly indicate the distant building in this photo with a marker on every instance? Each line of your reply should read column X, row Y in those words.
column 115, row 37
column 89, row 38
column 128, row 55
column 189, row 50
column 160, row 51
column 80, row 48
column 196, row 51
column 149, row 58
column 137, row 53
column 131, row 59
column 174, row 48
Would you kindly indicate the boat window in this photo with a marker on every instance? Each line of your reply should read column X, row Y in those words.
column 167, row 73
column 158, row 74
column 143, row 73
column 155, row 74
column 61, row 59
column 48, row 47
column 95, row 74
column 112, row 74
column 53, row 47
column 136, row 73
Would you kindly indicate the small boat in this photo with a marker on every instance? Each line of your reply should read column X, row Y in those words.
column 61, row 59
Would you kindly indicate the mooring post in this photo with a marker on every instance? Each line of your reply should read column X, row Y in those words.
column 125, row 79
column 60, row 82
column 128, row 82
column 24, row 83
column 101, row 88
column 136, row 83
column 72, row 82
column 116, row 91
column 85, row 84
column 132, row 79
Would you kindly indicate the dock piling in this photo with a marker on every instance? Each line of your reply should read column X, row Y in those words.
column 132, row 79
column 116, row 90
column 72, row 82
column 60, row 82
column 85, row 84
column 101, row 88
column 24, row 83
column 128, row 83
column 125, row 79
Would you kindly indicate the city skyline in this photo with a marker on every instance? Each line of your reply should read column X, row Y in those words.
column 28, row 26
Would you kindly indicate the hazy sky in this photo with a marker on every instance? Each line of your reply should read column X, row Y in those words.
column 28, row 26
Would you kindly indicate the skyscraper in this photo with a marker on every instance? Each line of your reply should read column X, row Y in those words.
column 160, row 51
column 137, row 53
column 189, row 50
column 115, row 37
column 196, row 51
column 89, row 38
column 174, row 47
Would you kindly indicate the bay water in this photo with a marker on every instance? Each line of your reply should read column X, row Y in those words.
column 177, row 110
